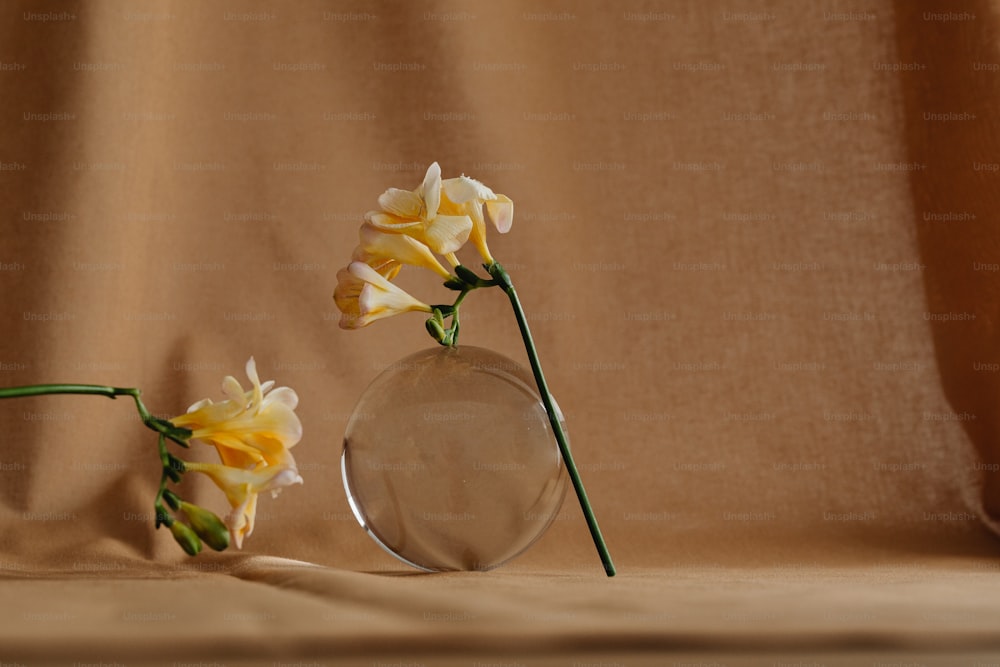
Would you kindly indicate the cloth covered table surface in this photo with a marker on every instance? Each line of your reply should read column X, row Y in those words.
column 267, row 611
column 756, row 243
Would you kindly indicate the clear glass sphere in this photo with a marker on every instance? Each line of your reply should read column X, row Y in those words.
column 450, row 462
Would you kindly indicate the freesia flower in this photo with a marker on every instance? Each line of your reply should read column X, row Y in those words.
column 252, row 431
column 250, row 428
column 363, row 295
column 416, row 214
column 242, row 487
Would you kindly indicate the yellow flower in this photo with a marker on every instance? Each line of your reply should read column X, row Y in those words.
column 250, row 428
column 415, row 213
column 363, row 296
column 467, row 196
column 242, row 487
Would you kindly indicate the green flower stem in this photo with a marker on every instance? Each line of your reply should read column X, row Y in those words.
column 455, row 324
column 449, row 336
column 161, row 426
column 502, row 279
column 93, row 389
column 41, row 389
column 162, row 515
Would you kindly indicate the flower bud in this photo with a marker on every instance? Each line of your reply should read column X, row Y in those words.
column 207, row 525
column 186, row 538
column 435, row 329
column 172, row 499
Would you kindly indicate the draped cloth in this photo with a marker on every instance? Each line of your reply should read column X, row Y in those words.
column 757, row 248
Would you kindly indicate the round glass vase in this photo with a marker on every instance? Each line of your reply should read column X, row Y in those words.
column 450, row 462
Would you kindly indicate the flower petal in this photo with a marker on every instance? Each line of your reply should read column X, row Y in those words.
column 464, row 189
column 346, row 293
column 501, row 213
column 448, row 233
column 376, row 303
column 283, row 396
column 257, row 394
column 388, row 268
column 430, row 191
column 205, row 402
column 392, row 223
column 232, row 389
column 236, row 453
column 278, row 421
column 403, row 203
column 366, row 274
column 207, row 412
column 251, row 371
column 240, row 521
column 401, row 248
column 236, row 483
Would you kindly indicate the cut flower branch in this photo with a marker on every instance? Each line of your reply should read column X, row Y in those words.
column 252, row 431
column 417, row 227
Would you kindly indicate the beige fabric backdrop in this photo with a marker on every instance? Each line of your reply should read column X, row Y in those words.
column 726, row 214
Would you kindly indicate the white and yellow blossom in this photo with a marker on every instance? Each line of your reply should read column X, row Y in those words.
column 416, row 214
column 364, row 295
column 250, row 428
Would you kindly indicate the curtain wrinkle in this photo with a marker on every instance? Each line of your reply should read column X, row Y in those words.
column 953, row 138
column 44, row 82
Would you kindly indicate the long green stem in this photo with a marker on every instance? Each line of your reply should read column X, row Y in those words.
column 503, row 280
column 162, row 426
column 455, row 324
column 43, row 389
